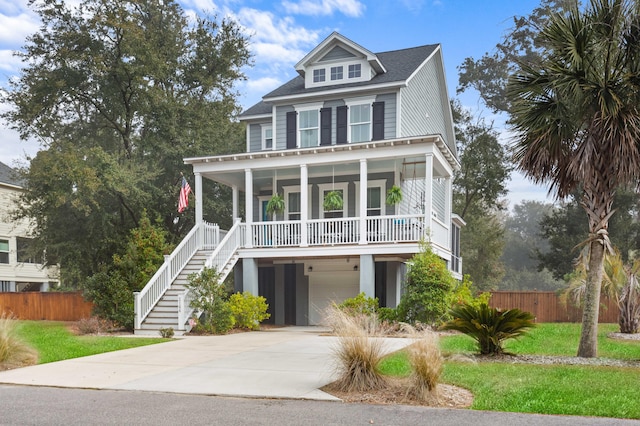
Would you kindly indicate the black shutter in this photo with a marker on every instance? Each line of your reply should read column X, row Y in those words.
column 325, row 126
column 291, row 130
column 341, row 125
column 378, row 121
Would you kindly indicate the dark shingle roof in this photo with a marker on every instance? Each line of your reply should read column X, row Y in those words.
column 400, row 64
column 9, row 176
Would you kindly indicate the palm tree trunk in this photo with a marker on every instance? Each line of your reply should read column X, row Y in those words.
column 588, row 347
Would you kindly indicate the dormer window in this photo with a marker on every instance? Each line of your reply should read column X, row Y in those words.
column 336, row 73
column 319, row 75
column 355, row 71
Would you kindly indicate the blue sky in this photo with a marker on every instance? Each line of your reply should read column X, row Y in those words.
column 283, row 31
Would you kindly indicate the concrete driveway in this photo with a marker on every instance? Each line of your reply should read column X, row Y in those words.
column 290, row 362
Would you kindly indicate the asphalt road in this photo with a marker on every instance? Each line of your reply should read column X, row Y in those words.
column 26, row 405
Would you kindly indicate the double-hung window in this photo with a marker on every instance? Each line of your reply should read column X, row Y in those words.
column 374, row 201
column 309, row 127
column 267, row 137
column 336, row 73
column 355, row 71
column 4, row 251
column 293, row 206
column 319, row 75
column 360, row 123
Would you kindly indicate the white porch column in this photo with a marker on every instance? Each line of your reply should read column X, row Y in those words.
column 248, row 184
column 363, row 202
column 367, row 275
column 428, row 191
column 198, row 195
column 234, row 202
column 304, row 205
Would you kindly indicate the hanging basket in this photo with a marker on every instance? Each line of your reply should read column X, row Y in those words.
column 333, row 201
column 275, row 204
column 394, row 195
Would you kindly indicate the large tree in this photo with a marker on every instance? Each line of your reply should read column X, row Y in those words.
column 577, row 124
column 478, row 188
column 118, row 92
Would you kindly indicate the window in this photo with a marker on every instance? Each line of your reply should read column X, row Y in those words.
column 374, row 201
column 267, row 137
column 318, row 75
column 336, row 73
column 308, row 128
column 293, row 206
column 4, row 251
column 25, row 252
column 355, row 71
column 360, row 123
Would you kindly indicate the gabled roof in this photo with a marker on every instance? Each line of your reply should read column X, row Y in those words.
column 9, row 176
column 399, row 65
column 336, row 39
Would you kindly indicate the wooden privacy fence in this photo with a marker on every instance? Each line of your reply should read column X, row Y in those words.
column 546, row 306
column 45, row 306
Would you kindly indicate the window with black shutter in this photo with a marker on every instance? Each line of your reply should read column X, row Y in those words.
column 341, row 125
column 325, row 126
column 291, row 130
column 378, row 121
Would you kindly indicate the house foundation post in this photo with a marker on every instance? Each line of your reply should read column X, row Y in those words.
column 250, row 276
column 367, row 275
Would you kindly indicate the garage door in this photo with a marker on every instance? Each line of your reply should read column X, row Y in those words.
column 325, row 287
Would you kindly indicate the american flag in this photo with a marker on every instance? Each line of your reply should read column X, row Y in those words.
column 183, row 200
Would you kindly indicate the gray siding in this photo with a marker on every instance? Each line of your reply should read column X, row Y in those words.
column 439, row 197
column 255, row 137
column 423, row 96
column 337, row 53
column 280, row 132
column 390, row 113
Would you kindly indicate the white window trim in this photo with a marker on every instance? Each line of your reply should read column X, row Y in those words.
column 303, row 108
column 263, row 137
column 377, row 183
column 349, row 71
column 341, row 66
column 344, row 186
column 366, row 72
column 360, row 101
column 313, row 76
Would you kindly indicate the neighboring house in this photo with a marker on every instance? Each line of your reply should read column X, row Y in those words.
column 354, row 122
column 19, row 270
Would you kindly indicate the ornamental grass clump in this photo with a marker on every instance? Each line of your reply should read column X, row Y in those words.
column 13, row 352
column 426, row 363
column 358, row 352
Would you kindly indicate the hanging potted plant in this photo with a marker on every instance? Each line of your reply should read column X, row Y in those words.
column 394, row 195
column 333, row 201
column 275, row 204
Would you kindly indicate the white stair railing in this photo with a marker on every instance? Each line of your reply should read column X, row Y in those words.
column 219, row 260
column 146, row 299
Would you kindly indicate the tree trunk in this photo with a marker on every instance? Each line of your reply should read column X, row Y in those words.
column 588, row 347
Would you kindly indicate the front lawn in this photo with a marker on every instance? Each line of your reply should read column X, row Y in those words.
column 54, row 341
column 544, row 389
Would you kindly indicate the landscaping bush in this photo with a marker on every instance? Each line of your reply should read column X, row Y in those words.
column 166, row 333
column 358, row 353
column 463, row 294
column 489, row 327
column 13, row 351
column 248, row 310
column 388, row 315
column 209, row 296
column 428, row 289
column 94, row 325
column 361, row 304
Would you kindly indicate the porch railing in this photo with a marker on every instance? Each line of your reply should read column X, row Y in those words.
column 275, row 234
column 395, row 229
column 222, row 254
column 334, row 231
column 146, row 299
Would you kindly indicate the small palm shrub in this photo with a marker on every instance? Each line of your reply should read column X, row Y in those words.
column 358, row 353
column 426, row 363
column 489, row 327
column 248, row 310
column 14, row 352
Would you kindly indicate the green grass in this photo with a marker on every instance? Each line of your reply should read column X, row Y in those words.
column 54, row 342
column 544, row 389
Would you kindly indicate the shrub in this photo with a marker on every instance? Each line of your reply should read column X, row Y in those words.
column 388, row 315
column 426, row 363
column 94, row 325
column 248, row 310
column 489, row 327
column 112, row 298
column 210, row 298
column 428, row 289
column 166, row 333
column 463, row 294
column 358, row 353
column 361, row 304
column 14, row 352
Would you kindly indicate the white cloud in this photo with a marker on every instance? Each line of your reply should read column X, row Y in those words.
column 352, row 8
column 9, row 64
column 263, row 85
column 14, row 29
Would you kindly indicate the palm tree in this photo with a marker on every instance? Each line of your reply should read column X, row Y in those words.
column 577, row 123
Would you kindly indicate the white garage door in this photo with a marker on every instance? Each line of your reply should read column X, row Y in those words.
column 327, row 287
